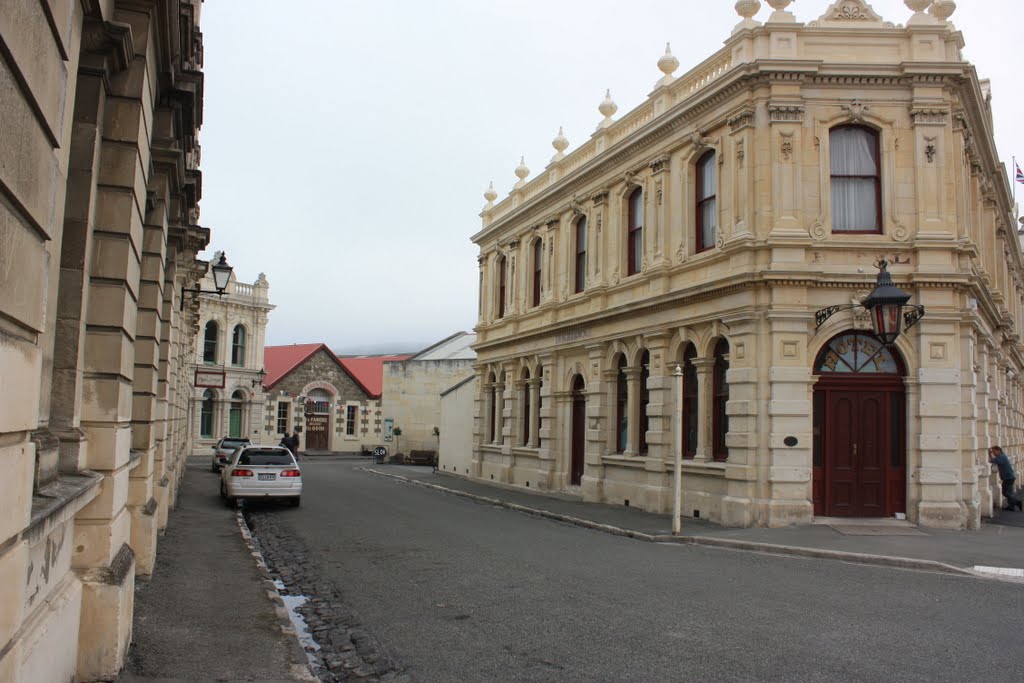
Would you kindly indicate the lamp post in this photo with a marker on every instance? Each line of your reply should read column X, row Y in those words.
column 885, row 304
column 221, row 276
column 677, row 448
column 259, row 380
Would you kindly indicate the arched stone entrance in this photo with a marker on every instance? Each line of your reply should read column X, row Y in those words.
column 579, row 431
column 859, row 429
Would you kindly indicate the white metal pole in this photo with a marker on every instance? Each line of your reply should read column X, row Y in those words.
column 677, row 470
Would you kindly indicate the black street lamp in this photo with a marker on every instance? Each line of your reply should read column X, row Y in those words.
column 262, row 373
column 885, row 304
column 221, row 277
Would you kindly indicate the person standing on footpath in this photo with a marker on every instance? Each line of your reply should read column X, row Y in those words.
column 1007, row 476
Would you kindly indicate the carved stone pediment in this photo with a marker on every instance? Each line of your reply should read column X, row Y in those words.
column 846, row 11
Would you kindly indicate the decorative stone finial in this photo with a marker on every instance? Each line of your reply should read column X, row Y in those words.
column 560, row 143
column 490, row 195
column 521, row 172
column 668, row 62
column 607, row 109
column 747, row 9
column 919, row 17
column 943, row 9
column 780, row 15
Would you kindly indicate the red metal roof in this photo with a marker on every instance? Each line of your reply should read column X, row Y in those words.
column 369, row 370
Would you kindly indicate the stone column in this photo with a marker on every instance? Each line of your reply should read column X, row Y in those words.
column 632, row 410
column 705, row 399
column 598, row 434
column 534, row 417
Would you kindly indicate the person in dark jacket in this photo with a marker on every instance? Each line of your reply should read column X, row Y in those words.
column 1007, row 476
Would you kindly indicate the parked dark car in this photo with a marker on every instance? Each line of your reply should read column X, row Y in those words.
column 224, row 449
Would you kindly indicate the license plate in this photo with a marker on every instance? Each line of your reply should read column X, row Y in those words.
column 267, row 477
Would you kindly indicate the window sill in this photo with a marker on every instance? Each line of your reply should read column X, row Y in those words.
column 637, row 461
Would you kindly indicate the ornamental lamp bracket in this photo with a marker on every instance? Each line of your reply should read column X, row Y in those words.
column 886, row 305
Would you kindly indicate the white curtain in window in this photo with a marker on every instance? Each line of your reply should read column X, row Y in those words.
column 854, row 199
column 707, row 184
column 708, row 223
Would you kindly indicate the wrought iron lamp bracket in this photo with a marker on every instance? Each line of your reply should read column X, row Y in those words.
column 824, row 314
column 911, row 317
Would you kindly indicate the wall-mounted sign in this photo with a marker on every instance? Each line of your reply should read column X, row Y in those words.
column 389, row 426
column 209, row 379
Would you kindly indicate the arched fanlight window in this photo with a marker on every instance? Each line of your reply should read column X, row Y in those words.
column 238, row 346
column 210, row 335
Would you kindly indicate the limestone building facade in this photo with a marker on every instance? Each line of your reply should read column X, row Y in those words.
column 411, row 396
column 704, row 230
column 227, row 397
column 99, row 189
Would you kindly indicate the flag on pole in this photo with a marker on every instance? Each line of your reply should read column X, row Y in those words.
column 1019, row 176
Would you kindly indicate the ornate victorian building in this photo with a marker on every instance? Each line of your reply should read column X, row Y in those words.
column 227, row 397
column 704, row 229
column 99, row 188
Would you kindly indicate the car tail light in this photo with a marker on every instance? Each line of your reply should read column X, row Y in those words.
column 291, row 473
column 241, row 473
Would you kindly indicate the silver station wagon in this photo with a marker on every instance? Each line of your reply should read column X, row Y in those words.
column 261, row 472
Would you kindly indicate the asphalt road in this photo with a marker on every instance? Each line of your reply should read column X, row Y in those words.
column 460, row 591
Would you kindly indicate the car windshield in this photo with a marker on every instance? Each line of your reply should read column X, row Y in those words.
column 233, row 443
column 265, row 457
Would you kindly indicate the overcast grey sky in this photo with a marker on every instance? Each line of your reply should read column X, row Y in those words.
column 347, row 145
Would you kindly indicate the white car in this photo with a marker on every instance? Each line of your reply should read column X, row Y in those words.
column 261, row 472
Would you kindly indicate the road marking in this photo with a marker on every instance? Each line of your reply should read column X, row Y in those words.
column 1000, row 571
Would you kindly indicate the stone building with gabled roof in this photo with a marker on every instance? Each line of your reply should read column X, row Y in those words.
column 332, row 401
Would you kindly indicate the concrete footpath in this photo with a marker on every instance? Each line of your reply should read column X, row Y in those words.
column 995, row 550
column 208, row 612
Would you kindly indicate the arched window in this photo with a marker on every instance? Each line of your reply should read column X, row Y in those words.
column 538, row 261
column 719, row 420
column 856, row 180
column 206, row 414
column 235, row 416
column 501, row 286
column 645, row 398
column 238, row 346
column 527, row 416
column 691, row 403
column 636, row 232
column 581, row 254
column 707, row 205
column 621, row 401
column 210, row 335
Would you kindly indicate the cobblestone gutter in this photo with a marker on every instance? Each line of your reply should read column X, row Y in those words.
column 344, row 649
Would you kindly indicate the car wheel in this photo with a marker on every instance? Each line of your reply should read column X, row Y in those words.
column 295, row 502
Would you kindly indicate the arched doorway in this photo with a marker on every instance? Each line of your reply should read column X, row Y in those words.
column 235, row 414
column 579, row 431
column 859, row 429
column 318, row 419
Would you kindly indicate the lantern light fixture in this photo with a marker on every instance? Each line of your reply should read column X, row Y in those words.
column 221, row 276
column 886, row 305
column 259, row 379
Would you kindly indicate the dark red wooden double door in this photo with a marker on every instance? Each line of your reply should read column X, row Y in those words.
column 859, row 430
column 863, row 472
